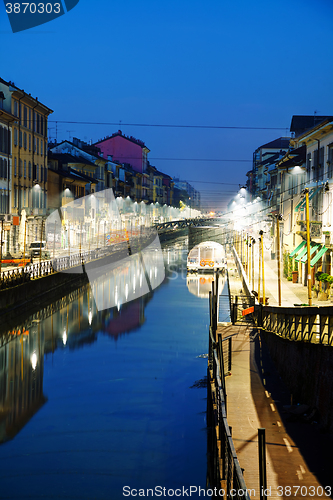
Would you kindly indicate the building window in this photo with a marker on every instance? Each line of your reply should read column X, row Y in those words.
column 25, row 140
column 41, row 147
column 37, row 172
column 45, row 175
column 34, row 144
column 30, row 170
column 15, row 136
column 29, row 142
column 25, row 117
column 25, row 169
column 15, row 167
column 15, row 108
column 20, row 138
column 3, row 168
column 20, row 168
column 29, row 119
column 37, row 123
column 41, row 173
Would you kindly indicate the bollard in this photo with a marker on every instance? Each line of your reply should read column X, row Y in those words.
column 262, row 463
column 229, row 353
column 235, row 310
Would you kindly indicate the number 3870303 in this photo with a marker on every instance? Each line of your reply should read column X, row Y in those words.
column 33, row 8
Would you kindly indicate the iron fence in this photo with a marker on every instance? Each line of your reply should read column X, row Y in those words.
column 19, row 275
column 312, row 324
column 224, row 471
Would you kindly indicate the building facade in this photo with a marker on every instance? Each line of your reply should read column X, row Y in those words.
column 28, row 162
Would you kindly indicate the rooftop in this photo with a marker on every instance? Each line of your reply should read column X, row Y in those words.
column 120, row 134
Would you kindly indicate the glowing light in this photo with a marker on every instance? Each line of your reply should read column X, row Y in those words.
column 90, row 317
column 34, row 361
column 64, row 337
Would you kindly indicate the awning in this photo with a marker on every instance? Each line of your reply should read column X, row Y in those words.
column 301, row 204
column 297, row 249
column 318, row 256
column 313, row 248
column 301, row 254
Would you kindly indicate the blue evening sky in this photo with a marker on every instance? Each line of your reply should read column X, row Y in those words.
column 213, row 63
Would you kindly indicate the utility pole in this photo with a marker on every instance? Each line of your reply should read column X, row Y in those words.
column 262, row 263
column 278, row 218
column 308, row 244
column 253, row 242
column 1, row 246
column 259, row 256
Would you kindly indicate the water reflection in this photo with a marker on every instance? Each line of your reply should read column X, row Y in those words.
column 21, row 378
column 201, row 284
column 113, row 304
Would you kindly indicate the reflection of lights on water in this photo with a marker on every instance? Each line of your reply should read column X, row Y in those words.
column 134, row 284
column 155, row 271
column 140, row 280
column 64, row 337
column 118, row 306
column 126, row 291
column 90, row 317
column 34, row 361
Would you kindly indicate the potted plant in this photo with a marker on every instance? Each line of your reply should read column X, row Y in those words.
column 323, row 278
column 295, row 276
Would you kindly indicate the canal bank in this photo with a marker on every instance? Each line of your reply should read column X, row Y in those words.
column 298, row 449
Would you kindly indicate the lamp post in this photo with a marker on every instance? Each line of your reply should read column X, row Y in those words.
column 253, row 242
column 306, row 191
column 278, row 218
column 247, row 255
column 259, row 281
column 262, row 263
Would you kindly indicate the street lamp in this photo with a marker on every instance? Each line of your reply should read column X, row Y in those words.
column 262, row 264
column 278, row 218
column 306, row 191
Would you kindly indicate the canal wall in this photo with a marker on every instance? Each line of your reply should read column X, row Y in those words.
column 18, row 300
column 307, row 370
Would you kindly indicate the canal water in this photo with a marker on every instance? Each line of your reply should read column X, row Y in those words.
column 99, row 404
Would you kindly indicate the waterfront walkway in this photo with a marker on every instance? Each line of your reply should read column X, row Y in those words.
column 297, row 451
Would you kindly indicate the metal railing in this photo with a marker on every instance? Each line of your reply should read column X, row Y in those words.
column 306, row 324
column 311, row 324
column 17, row 276
column 224, row 471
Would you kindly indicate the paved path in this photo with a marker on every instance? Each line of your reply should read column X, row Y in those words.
column 291, row 293
column 250, row 405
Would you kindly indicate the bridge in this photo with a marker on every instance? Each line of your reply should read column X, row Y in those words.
column 183, row 223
